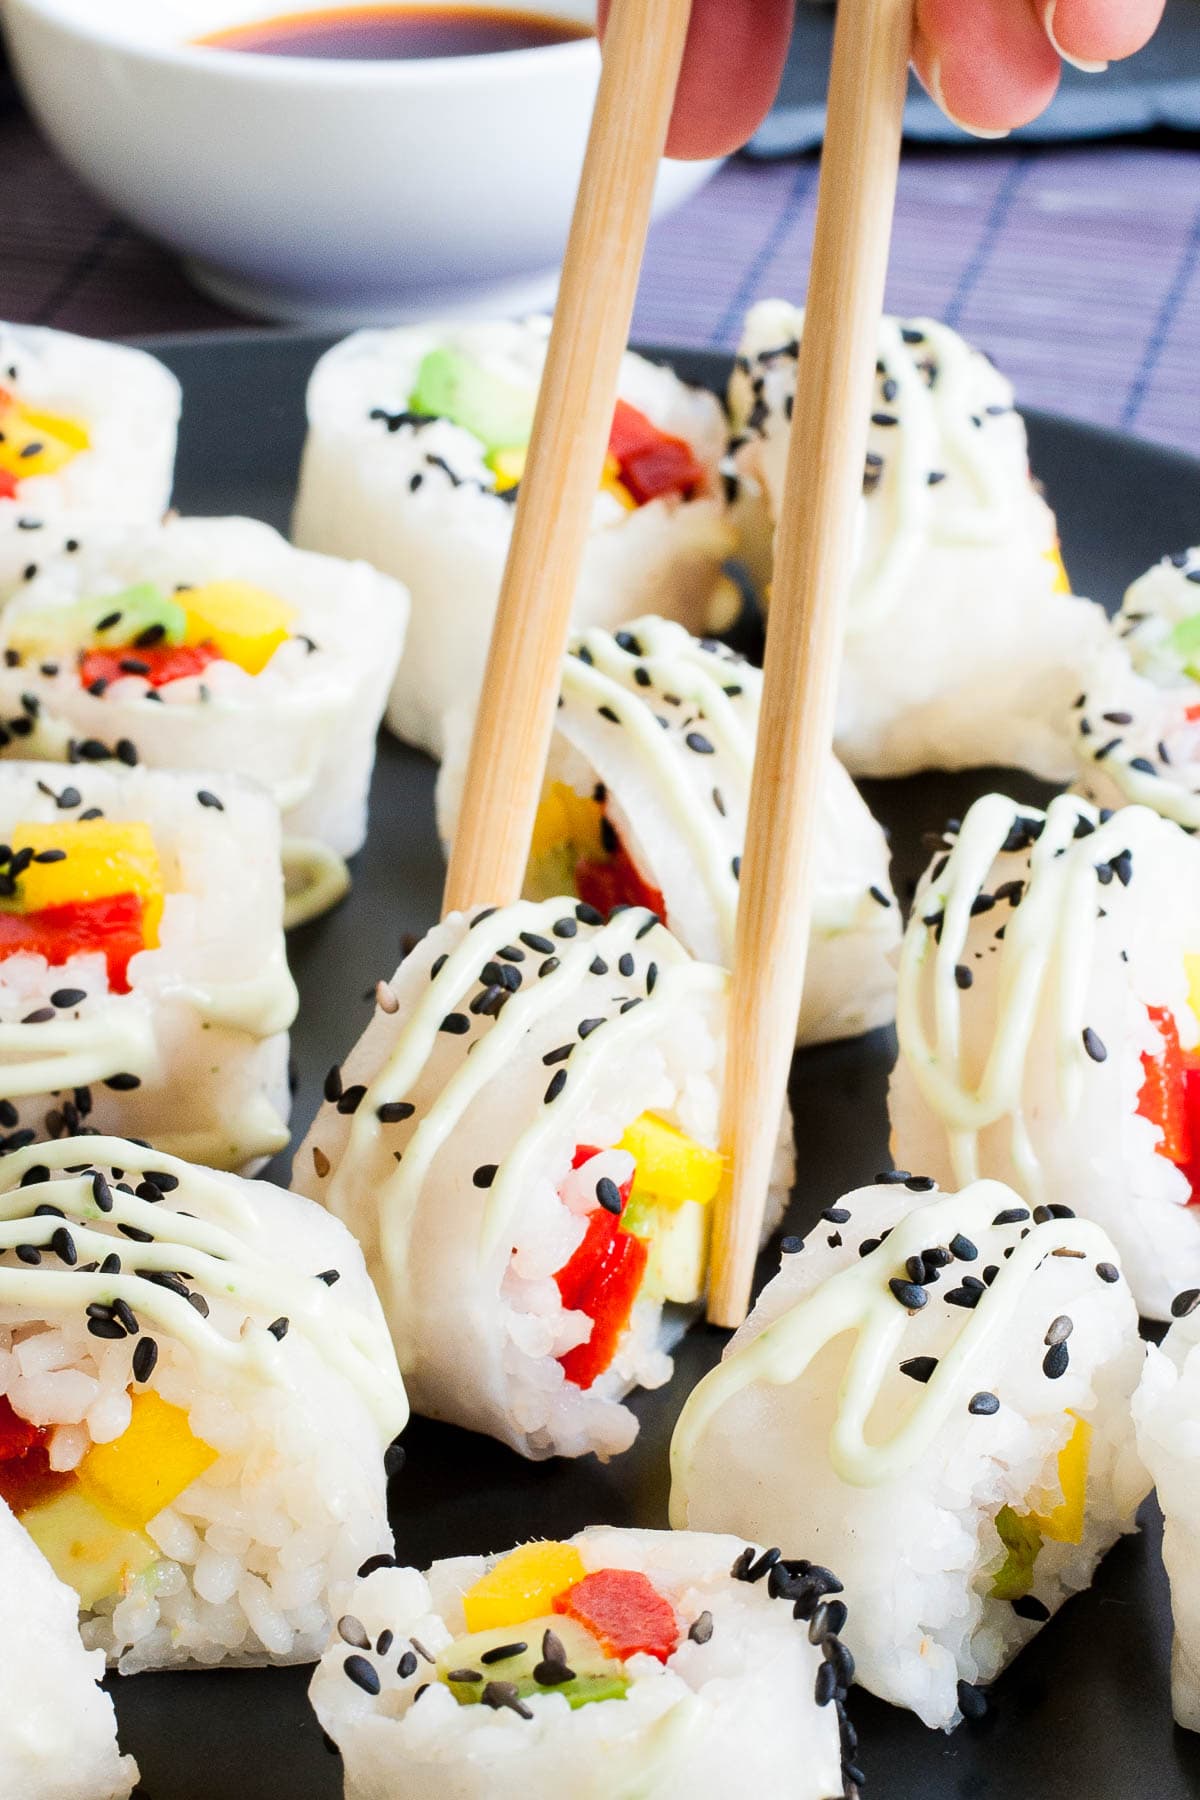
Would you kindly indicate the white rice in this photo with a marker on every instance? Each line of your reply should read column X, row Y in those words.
column 996, row 1079
column 58, row 1736
column 464, row 1265
column 128, row 403
column 959, row 652
column 914, row 1538
column 300, row 1415
column 732, row 1713
column 417, row 499
column 203, row 1028
column 681, row 811
column 305, row 727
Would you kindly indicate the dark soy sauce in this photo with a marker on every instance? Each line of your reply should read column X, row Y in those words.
column 397, row 33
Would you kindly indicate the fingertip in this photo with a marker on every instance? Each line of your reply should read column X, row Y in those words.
column 1092, row 33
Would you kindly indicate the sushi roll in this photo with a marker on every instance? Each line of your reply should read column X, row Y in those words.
column 1048, row 1018
column 1136, row 722
column 144, row 986
column 654, row 1663
column 197, row 1394
column 523, row 1141
column 84, row 426
column 646, row 796
column 212, row 644
column 1166, row 1410
column 963, row 639
column 416, row 442
column 932, row 1397
column 58, row 1736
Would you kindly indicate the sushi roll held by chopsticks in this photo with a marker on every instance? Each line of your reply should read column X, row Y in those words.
column 416, row 448
column 932, row 1397
column 962, row 636
column 211, row 643
column 58, row 1737
column 144, row 985
column 645, row 802
column 1049, row 1022
column 523, row 1140
column 84, row 426
column 618, row 1662
column 196, row 1396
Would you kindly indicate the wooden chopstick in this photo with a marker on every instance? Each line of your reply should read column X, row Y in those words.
column 642, row 53
column 814, row 546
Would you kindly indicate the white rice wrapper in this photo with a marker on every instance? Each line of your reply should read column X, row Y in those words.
column 129, row 405
column 457, row 1201
column 733, row 1713
column 416, row 498
column 268, row 1334
column 305, row 727
column 959, row 650
column 851, row 1421
column 1166, row 1412
column 1136, row 720
column 58, row 1736
column 678, row 798
column 194, row 1057
column 1032, row 1073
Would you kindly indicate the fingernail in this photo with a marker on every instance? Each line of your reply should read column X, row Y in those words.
column 935, row 88
column 1076, row 62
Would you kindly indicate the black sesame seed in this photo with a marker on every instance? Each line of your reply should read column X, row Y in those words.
column 919, row 1368
column 890, row 1177
column 503, row 1652
column 983, row 1404
column 963, row 976
column 920, row 1184
column 1185, row 1303
column 123, row 1084
column 1094, row 1045
column 68, row 996
column 695, row 740
column 407, row 1666
column 145, row 1357
column 609, row 1195
column 836, row 1215
column 1108, row 1271
column 278, row 1329
column 532, row 941
column 1055, row 1361
column 497, row 1694
column 908, row 1293
column 456, row 1023
column 1027, row 1606
column 351, row 1098
column 557, row 1083
column 1059, row 1330
column 63, row 1246
column 28, row 1253
column 1012, row 1215
column 587, row 1026
column 393, row 1111
column 362, row 1674
column 380, row 1561
column 972, row 1702
column 701, row 1628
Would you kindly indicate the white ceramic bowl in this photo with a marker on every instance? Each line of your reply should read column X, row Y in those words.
column 323, row 191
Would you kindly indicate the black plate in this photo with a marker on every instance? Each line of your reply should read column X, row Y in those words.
column 1085, row 1712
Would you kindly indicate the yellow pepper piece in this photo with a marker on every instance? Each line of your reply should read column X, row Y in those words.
column 522, row 1585
column 38, row 443
column 142, row 1471
column 246, row 623
column 85, row 1548
column 1064, row 1523
column 1191, row 968
column 103, row 857
column 670, row 1165
column 1062, row 581
column 508, row 466
column 611, row 483
column 565, row 817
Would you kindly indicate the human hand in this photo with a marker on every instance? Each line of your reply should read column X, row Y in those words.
column 990, row 64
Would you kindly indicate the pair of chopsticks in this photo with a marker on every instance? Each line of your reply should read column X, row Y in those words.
column 813, row 550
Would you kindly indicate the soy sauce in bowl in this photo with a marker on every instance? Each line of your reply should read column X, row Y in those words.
column 397, row 33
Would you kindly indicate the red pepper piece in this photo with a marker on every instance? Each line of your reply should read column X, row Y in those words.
column 8, row 485
column 1192, row 713
column 114, row 925
column 1162, row 1096
column 625, row 1611
column 162, row 663
column 616, row 883
column 25, row 1472
column 1191, row 1103
column 652, row 462
column 602, row 1280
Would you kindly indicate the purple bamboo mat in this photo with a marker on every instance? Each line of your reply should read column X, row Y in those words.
column 1078, row 269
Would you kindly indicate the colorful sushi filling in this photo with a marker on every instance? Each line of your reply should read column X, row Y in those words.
column 643, row 462
column 34, row 443
column 84, row 887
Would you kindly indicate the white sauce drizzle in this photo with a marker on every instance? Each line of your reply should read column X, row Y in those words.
column 859, row 1299
column 216, row 1254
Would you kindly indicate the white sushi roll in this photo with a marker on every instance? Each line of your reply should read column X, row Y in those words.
column 144, row 986
column 415, row 445
column 1166, row 1412
column 213, row 644
column 932, row 1397
column 1047, row 1018
column 963, row 639
column 523, row 1141
column 198, row 1393
column 84, row 426
column 58, row 1736
column 663, row 1664
column 646, row 798
column 1136, row 720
